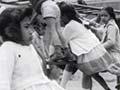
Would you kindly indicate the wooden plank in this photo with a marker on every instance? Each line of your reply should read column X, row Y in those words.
column 77, row 6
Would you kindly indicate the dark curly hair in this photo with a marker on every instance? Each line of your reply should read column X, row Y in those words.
column 69, row 11
column 9, row 30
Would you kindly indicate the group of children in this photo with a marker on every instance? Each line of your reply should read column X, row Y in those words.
column 27, row 46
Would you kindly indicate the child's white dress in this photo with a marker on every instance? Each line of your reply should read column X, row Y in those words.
column 21, row 69
column 92, row 56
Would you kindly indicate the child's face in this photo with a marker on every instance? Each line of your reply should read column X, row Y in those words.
column 105, row 17
column 26, row 31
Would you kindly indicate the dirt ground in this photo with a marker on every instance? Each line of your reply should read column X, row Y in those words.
column 75, row 84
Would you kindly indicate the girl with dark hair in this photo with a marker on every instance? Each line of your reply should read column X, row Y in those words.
column 111, row 13
column 111, row 37
column 20, row 64
column 84, row 44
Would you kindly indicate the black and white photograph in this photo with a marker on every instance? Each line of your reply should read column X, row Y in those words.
column 59, row 44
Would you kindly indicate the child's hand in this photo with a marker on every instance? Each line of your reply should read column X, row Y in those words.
column 114, row 69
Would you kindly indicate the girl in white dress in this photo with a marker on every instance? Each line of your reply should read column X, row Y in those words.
column 20, row 65
column 92, row 56
column 111, row 38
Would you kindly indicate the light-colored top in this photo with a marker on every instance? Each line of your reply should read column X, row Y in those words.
column 81, row 40
column 111, row 37
column 50, row 9
column 20, row 67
